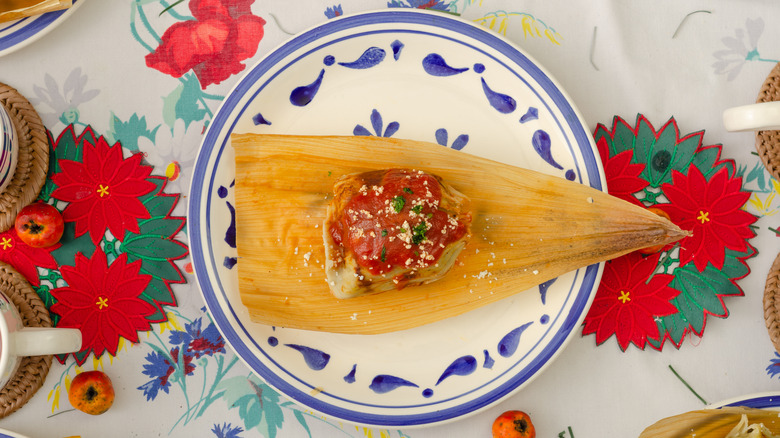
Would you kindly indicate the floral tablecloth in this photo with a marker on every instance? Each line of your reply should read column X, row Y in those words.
column 131, row 86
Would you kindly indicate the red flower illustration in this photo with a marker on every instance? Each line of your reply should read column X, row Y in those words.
column 223, row 33
column 103, row 191
column 622, row 177
column 626, row 304
column 712, row 210
column 103, row 301
column 25, row 258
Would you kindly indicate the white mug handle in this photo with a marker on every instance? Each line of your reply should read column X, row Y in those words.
column 37, row 341
column 754, row 117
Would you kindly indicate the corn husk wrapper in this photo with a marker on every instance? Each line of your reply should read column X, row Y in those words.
column 527, row 228
column 16, row 9
column 711, row 423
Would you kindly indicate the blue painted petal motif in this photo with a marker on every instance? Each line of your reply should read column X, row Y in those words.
column 397, row 46
column 441, row 136
column 460, row 142
column 543, row 146
column 315, row 359
column 350, row 378
column 462, row 366
column 370, row 58
column 391, row 129
column 507, row 346
column 303, row 95
column 435, row 65
column 361, row 130
column 384, row 383
column 376, row 122
column 543, row 289
column 501, row 102
column 258, row 119
column 531, row 114
column 489, row 362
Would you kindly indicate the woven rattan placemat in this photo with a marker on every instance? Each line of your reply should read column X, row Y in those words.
column 768, row 142
column 772, row 303
column 33, row 162
column 32, row 370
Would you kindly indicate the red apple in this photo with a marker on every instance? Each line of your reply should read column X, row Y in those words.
column 91, row 392
column 39, row 225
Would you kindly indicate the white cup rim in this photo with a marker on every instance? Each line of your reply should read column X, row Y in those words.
column 5, row 351
column 760, row 116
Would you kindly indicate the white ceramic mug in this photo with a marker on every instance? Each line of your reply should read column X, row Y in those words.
column 9, row 148
column 17, row 341
column 754, row 117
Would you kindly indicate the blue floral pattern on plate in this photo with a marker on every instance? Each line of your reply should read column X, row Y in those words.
column 398, row 74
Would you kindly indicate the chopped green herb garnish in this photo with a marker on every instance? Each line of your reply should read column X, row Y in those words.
column 330, row 173
column 429, row 215
column 383, row 256
column 418, row 233
column 402, row 230
column 408, row 190
column 417, row 209
column 384, row 233
column 398, row 203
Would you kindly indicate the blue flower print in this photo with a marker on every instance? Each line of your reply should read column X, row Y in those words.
column 159, row 369
column 227, row 431
column 437, row 5
column 334, row 11
column 774, row 367
column 377, row 125
column 198, row 342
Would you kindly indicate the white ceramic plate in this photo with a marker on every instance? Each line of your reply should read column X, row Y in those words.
column 18, row 33
column 406, row 74
column 8, row 434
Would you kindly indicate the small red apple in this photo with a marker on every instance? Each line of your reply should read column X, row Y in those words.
column 39, row 225
column 91, row 392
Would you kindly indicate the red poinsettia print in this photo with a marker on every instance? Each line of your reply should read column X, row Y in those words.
column 103, row 301
column 24, row 258
column 103, row 190
column 712, row 210
column 223, row 33
column 622, row 177
column 627, row 303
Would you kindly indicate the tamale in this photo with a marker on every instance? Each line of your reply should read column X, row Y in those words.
column 711, row 422
column 527, row 228
column 16, row 9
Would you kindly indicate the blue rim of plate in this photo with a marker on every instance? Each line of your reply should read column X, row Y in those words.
column 203, row 175
column 757, row 401
column 16, row 34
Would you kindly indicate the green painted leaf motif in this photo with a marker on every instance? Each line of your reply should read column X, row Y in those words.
column 258, row 404
column 127, row 133
column 65, row 255
column 302, row 421
column 623, row 139
column 188, row 107
column 169, row 105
